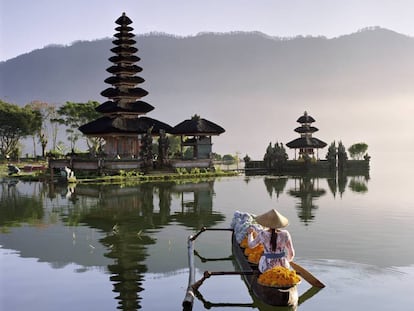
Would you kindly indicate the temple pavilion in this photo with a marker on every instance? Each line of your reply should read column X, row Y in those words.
column 306, row 144
column 196, row 134
column 123, row 125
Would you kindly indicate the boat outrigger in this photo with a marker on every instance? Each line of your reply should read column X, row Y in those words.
column 274, row 296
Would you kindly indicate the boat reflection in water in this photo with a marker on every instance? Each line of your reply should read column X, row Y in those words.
column 259, row 304
column 263, row 297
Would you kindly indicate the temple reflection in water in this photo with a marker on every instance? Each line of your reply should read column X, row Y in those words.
column 308, row 188
column 129, row 216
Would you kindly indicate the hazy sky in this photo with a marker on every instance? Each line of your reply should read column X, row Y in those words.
column 26, row 25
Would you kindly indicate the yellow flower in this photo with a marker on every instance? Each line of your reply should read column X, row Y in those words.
column 279, row 276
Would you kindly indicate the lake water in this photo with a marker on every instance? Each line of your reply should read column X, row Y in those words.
column 97, row 247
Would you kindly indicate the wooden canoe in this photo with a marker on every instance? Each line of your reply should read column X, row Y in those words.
column 270, row 295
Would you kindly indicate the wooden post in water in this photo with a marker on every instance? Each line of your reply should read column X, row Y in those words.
column 189, row 296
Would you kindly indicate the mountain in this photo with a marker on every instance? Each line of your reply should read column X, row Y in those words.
column 358, row 87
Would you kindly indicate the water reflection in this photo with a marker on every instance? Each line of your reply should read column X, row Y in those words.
column 126, row 216
column 307, row 189
column 114, row 226
column 197, row 205
column 123, row 214
column 16, row 208
column 255, row 303
column 275, row 185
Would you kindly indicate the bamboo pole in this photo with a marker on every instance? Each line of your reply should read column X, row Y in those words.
column 207, row 274
column 189, row 296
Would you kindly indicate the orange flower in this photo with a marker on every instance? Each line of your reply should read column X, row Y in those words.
column 279, row 276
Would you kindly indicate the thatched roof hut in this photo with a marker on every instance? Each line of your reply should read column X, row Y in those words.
column 196, row 134
column 110, row 126
column 197, row 126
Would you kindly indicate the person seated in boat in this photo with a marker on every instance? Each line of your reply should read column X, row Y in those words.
column 277, row 242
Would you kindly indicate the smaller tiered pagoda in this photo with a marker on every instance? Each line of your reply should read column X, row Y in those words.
column 306, row 143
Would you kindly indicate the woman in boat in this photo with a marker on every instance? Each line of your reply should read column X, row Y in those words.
column 278, row 246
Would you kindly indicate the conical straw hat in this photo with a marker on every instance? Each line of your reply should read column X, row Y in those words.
column 272, row 219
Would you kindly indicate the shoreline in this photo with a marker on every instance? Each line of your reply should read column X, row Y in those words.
column 41, row 173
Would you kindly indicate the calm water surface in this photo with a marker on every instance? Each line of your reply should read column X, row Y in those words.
column 124, row 246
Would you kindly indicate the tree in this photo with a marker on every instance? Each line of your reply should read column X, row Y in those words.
column 276, row 156
column 332, row 155
column 47, row 113
column 228, row 159
column 15, row 123
column 357, row 151
column 35, row 125
column 73, row 115
column 246, row 158
column 216, row 156
column 163, row 148
column 175, row 144
column 146, row 149
column 341, row 155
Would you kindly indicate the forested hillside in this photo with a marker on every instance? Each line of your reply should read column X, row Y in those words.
column 358, row 87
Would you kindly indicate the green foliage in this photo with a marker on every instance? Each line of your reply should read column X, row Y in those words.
column 174, row 144
column 342, row 155
column 46, row 113
column 54, row 154
column 275, row 156
column 228, row 159
column 332, row 153
column 195, row 170
column 358, row 186
column 74, row 115
column 357, row 151
column 181, row 170
column 17, row 209
column 130, row 173
column 188, row 153
column 163, row 149
column 16, row 123
column 216, row 156
column 246, row 158
column 146, row 149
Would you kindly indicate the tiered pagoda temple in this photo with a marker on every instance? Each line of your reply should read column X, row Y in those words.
column 306, row 143
column 123, row 124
